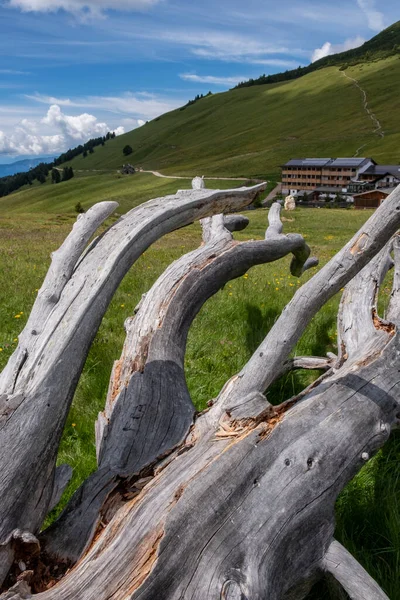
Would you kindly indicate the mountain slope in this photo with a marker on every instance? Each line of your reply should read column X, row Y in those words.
column 251, row 131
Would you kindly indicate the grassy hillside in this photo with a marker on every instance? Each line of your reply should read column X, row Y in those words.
column 251, row 131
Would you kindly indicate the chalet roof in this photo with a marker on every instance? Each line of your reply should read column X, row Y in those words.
column 348, row 162
column 307, row 162
column 382, row 170
column 385, row 191
column 327, row 162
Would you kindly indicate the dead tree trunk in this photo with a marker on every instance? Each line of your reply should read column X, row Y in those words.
column 237, row 502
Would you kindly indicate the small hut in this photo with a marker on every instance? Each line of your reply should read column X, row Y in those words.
column 371, row 198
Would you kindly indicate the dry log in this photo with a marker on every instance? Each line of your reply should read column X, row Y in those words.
column 242, row 506
column 37, row 385
column 148, row 410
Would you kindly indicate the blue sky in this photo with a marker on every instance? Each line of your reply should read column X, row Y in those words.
column 73, row 69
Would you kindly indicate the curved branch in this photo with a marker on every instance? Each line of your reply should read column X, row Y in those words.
column 39, row 384
column 59, row 274
column 266, row 363
column 143, row 420
column 301, row 261
column 360, row 329
column 351, row 575
column 393, row 313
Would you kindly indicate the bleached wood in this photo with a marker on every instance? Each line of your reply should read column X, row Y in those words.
column 62, row 477
column 38, row 385
column 267, row 361
column 351, row 575
column 135, row 428
column 393, row 311
column 251, row 489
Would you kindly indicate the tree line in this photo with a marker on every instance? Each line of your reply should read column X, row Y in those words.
column 12, row 183
column 196, row 99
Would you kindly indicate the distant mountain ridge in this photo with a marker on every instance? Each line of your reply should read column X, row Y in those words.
column 22, row 166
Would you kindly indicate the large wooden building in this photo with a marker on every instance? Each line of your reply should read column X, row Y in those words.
column 307, row 174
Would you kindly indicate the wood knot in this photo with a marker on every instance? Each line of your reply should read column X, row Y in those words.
column 232, row 591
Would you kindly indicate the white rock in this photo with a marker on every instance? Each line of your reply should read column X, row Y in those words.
column 198, row 183
column 290, row 203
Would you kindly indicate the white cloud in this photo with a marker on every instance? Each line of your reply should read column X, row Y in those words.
column 92, row 7
column 327, row 49
column 224, row 81
column 277, row 62
column 143, row 106
column 12, row 72
column 376, row 20
column 52, row 134
column 78, row 128
column 219, row 45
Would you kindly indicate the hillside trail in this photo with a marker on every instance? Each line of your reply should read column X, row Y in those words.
column 158, row 174
column 378, row 127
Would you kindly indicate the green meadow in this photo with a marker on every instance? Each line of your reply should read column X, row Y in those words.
column 228, row 329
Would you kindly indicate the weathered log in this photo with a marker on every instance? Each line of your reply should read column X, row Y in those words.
column 37, row 385
column 243, row 507
column 148, row 410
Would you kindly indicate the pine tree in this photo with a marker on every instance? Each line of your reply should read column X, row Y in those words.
column 55, row 176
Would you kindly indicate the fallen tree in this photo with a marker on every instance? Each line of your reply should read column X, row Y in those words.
column 236, row 502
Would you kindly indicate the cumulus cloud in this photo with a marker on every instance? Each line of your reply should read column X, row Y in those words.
column 52, row 134
column 211, row 79
column 375, row 18
column 327, row 49
column 93, row 7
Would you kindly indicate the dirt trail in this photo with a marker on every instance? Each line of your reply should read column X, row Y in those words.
column 158, row 174
column 378, row 127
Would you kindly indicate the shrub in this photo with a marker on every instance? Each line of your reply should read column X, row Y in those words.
column 127, row 150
